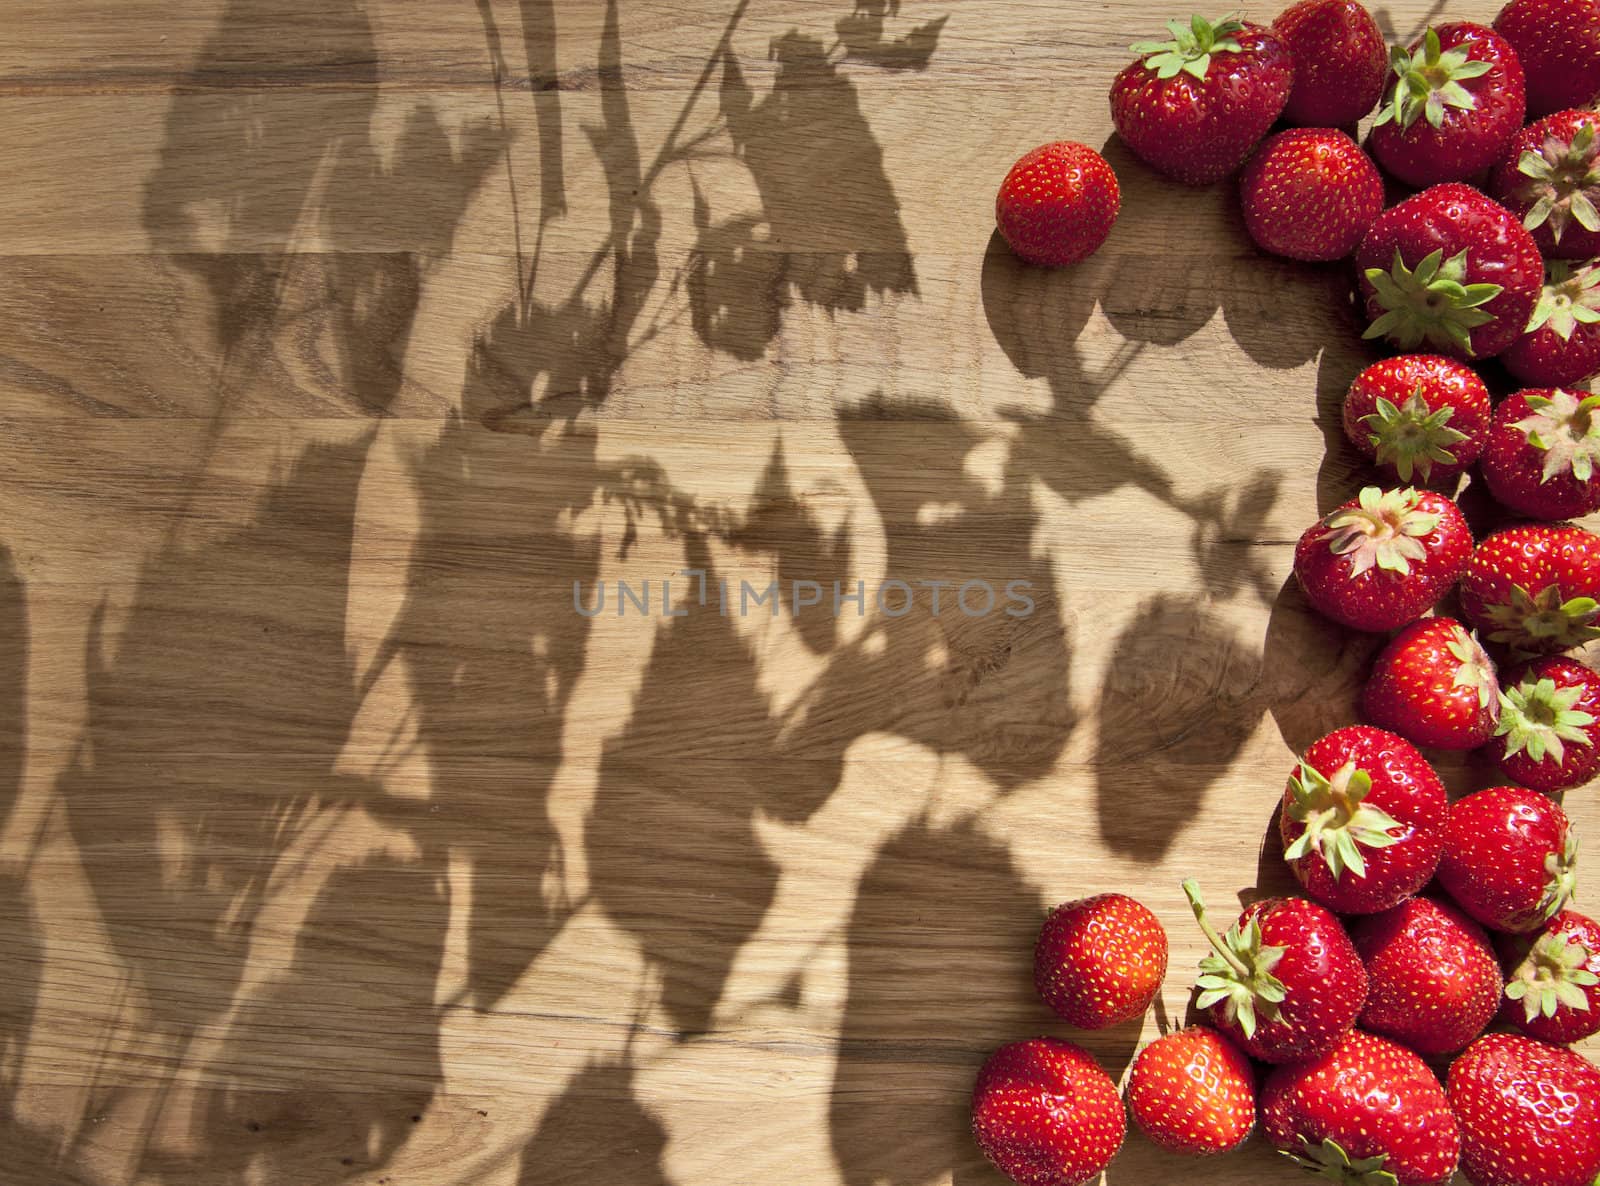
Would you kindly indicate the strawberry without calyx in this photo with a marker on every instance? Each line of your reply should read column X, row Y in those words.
column 1340, row 62
column 1435, row 686
column 1419, row 416
column 1310, row 194
column 1193, row 1092
column 1541, row 453
column 1535, row 588
column 1549, row 732
column 1510, row 858
column 1553, row 986
column 1058, row 204
column 1558, row 43
column 1100, row 960
column 1562, row 342
column 1045, row 1113
column 1529, row 1113
column 1550, row 178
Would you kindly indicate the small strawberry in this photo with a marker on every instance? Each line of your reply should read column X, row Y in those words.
column 1368, row 1112
column 1058, row 204
column 1383, row 558
column 1310, row 193
column 1418, row 414
column 1558, row 42
column 1510, row 858
column 1363, row 820
column 1193, row 1092
column 1100, row 960
column 1450, row 268
column 1535, row 588
column 1553, row 986
column 1562, row 343
column 1549, row 732
column 1195, row 106
column 1529, row 1113
column 1435, row 983
column 1435, row 686
column 1340, row 62
column 1285, row 983
column 1540, row 457
column 1045, row 1113
column 1458, row 98
column 1550, row 178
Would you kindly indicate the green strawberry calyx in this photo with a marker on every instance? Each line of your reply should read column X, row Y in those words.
column 1382, row 531
column 1535, row 623
column 1563, row 183
column 1191, row 47
column 1562, row 882
column 1329, row 1160
column 1570, row 298
column 1539, row 718
column 1412, row 436
column 1564, row 427
column 1430, row 303
column 1238, row 972
column 1429, row 84
column 1338, row 821
column 1474, row 670
column 1553, row 974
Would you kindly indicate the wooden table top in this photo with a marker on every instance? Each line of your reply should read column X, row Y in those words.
column 340, row 341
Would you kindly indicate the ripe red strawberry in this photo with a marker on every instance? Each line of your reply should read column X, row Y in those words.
column 1284, row 983
column 1435, row 686
column 1535, row 588
column 1340, row 62
column 1550, row 178
column 1310, row 193
column 1058, row 204
column 1540, row 457
column 1434, row 981
column 1046, row 1114
column 1529, row 1113
column 1558, row 42
column 1383, row 558
column 1553, row 982
column 1100, row 960
column 1418, row 414
column 1363, row 820
column 1369, row 1111
column 1458, row 98
column 1510, row 858
column 1562, row 343
column 1549, row 732
column 1452, row 269
column 1193, row 1092
column 1195, row 106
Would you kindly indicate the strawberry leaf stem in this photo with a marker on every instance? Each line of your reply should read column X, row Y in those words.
column 1238, row 973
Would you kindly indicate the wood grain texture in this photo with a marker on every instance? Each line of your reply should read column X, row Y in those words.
column 339, row 341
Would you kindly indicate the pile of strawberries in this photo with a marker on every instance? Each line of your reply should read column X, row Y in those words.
column 1424, row 922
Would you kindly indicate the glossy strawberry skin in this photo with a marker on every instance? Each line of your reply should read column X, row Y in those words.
column 1421, row 689
column 1517, row 192
column 1529, row 1113
column 1198, row 131
column 1434, row 981
column 1518, row 579
column 1045, row 1113
column 1468, row 140
column 1372, row 1097
column 1058, row 204
column 1545, row 359
column 1193, row 1092
column 1566, row 1025
column 1405, row 786
column 1579, row 761
column 1558, row 42
column 1497, row 849
column 1100, row 960
column 1310, row 194
column 1340, row 62
column 1513, row 467
column 1441, row 383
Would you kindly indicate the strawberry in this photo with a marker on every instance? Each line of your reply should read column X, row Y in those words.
column 1193, row 1092
column 1046, row 1114
column 1553, row 986
column 1100, row 960
column 1340, row 62
column 1420, row 414
column 1435, row 686
column 1558, row 42
column 1562, row 342
column 1058, row 204
column 1284, row 983
column 1529, row 1113
column 1535, row 588
column 1434, row 980
column 1540, row 457
column 1550, row 178
column 1310, row 193
column 1367, row 1112
column 1510, row 858
column 1383, row 558
column 1458, row 98
column 1363, row 820
column 1451, row 268
column 1195, row 106
column 1549, row 732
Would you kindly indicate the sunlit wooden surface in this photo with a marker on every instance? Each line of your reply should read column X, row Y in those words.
column 338, row 341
